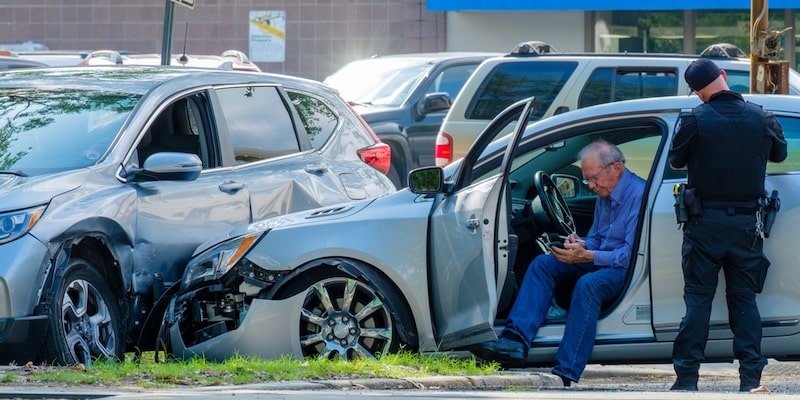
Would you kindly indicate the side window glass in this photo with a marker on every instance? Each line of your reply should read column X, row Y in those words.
column 739, row 81
column 597, row 89
column 611, row 84
column 513, row 81
column 259, row 124
column 643, row 84
column 318, row 118
column 180, row 127
column 451, row 80
column 791, row 130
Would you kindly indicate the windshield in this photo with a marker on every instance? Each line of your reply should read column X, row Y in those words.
column 378, row 81
column 48, row 131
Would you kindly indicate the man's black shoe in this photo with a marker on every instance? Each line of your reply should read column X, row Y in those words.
column 506, row 351
column 564, row 380
column 684, row 386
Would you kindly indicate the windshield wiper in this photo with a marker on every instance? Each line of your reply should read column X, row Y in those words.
column 10, row 172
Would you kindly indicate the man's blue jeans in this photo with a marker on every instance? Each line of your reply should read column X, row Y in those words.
column 594, row 286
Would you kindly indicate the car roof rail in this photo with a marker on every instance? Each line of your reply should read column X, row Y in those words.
column 237, row 54
column 723, row 50
column 110, row 55
column 532, row 48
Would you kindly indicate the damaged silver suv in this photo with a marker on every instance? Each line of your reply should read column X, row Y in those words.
column 110, row 177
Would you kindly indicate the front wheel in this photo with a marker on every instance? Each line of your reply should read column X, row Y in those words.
column 346, row 317
column 85, row 322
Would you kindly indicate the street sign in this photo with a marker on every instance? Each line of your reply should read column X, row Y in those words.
column 185, row 3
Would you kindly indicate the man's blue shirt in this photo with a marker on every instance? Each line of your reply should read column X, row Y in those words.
column 613, row 231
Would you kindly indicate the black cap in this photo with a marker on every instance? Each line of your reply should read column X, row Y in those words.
column 700, row 73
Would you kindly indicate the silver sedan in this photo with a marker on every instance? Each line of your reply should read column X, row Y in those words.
column 436, row 266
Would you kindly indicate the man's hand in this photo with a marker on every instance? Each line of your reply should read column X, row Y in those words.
column 574, row 252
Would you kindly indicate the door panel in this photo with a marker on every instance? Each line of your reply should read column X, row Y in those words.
column 176, row 216
column 469, row 253
column 462, row 287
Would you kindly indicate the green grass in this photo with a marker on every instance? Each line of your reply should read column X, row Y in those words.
column 244, row 370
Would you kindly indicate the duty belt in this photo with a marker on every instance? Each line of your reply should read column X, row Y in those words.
column 750, row 207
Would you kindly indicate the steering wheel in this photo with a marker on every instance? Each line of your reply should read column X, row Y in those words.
column 553, row 204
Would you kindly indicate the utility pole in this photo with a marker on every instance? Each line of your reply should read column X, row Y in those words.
column 166, row 38
column 169, row 16
column 767, row 75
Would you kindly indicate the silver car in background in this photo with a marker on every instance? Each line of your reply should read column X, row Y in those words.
column 110, row 177
column 437, row 266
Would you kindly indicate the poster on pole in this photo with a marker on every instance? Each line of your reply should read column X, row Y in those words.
column 268, row 36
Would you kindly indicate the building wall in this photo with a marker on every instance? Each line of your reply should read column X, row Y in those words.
column 321, row 35
column 501, row 31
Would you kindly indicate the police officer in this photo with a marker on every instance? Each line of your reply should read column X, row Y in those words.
column 725, row 144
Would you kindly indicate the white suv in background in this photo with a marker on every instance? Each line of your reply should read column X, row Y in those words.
column 567, row 81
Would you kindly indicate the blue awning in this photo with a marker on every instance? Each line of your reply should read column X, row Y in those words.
column 598, row 5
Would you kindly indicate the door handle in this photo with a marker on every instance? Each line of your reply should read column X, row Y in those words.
column 231, row 186
column 316, row 168
column 473, row 224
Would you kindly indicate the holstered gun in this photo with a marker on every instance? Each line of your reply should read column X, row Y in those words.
column 770, row 207
column 686, row 203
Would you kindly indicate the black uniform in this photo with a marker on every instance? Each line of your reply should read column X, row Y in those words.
column 725, row 144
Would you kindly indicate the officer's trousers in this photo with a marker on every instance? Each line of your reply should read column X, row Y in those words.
column 717, row 239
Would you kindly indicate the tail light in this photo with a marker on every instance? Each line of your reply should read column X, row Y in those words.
column 444, row 149
column 378, row 156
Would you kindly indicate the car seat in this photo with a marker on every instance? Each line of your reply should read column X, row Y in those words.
column 183, row 139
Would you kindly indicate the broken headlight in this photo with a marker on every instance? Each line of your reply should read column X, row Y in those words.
column 218, row 260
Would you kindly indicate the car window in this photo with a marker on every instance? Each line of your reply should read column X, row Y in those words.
column 791, row 130
column 452, row 79
column 617, row 84
column 378, row 81
column 180, row 127
column 259, row 124
column 638, row 139
column 318, row 117
column 509, row 82
column 738, row 81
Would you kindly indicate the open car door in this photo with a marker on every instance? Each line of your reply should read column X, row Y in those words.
column 470, row 244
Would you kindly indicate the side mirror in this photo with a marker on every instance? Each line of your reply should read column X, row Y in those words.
column 171, row 166
column 426, row 180
column 566, row 184
column 433, row 102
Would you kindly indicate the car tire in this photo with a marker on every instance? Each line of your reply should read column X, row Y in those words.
column 352, row 315
column 85, row 321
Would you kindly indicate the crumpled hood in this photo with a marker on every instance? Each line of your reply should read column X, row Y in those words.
column 18, row 192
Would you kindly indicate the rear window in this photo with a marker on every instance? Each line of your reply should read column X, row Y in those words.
column 513, row 81
column 606, row 85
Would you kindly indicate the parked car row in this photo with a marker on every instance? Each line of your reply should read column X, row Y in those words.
column 400, row 96
column 110, row 177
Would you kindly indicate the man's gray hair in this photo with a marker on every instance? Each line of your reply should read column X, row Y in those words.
column 607, row 153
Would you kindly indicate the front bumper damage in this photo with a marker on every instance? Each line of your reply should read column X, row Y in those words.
column 217, row 323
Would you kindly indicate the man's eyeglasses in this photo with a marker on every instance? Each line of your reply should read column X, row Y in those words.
column 594, row 178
